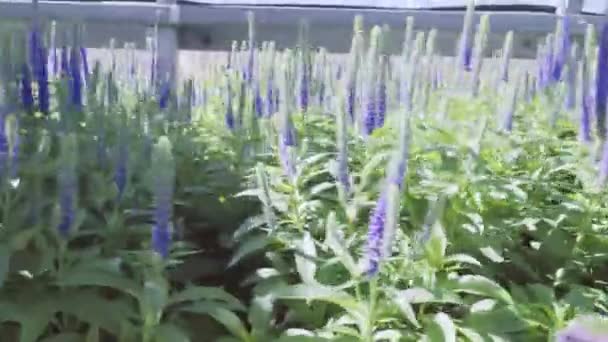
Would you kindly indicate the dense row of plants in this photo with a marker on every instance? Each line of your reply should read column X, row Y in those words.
column 365, row 198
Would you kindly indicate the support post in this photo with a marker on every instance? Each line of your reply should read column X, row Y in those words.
column 166, row 44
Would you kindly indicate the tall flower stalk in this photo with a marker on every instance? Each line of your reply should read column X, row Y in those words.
column 465, row 47
column 122, row 156
column 480, row 48
column 163, row 168
column 342, row 173
column 370, row 108
column 286, row 134
column 383, row 220
column 352, row 68
column 507, row 52
column 68, row 183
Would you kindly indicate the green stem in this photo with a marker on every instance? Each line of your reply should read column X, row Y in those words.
column 371, row 318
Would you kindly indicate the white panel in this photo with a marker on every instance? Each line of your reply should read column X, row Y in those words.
column 595, row 6
column 406, row 4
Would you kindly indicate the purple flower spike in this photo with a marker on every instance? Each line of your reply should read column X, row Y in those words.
column 585, row 125
column 229, row 117
column 163, row 166
column 381, row 105
column 375, row 236
column 164, row 96
column 120, row 175
column 270, row 102
column 75, row 80
column 561, row 55
column 258, row 103
column 584, row 329
column 350, row 102
column 85, row 62
column 369, row 123
column 66, row 203
column 27, row 99
column 42, row 78
column 304, row 91
column 68, row 184
column 161, row 240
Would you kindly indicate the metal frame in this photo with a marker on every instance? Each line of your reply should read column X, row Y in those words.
column 176, row 19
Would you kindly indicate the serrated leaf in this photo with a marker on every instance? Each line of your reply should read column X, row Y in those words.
column 250, row 193
column 248, row 225
column 251, row 245
column 204, row 293
column 304, row 265
column 480, row 285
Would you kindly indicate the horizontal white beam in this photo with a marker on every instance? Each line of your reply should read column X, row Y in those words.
column 197, row 14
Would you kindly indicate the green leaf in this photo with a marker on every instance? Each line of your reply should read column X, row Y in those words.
column 98, row 273
column 201, row 293
column 372, row 165
column 417, row 295
column 98, row 311
column 498, row 321
column 153, row 300
column 310, row 292
column 223, row 316
column 479, row 285
column 305, row 266
column 436, row 246
column 250, row 246
column 389, row 335
column 405, row 306
column 335, row 241
column 483, row 305
column 260, row 313
column 63, row 337
column 169, row 333
column 248, row 225
column 462, row 258
column 442, row 329
column 492, row 254
column 5, row 256
column 471, row 335
column 319, row 188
